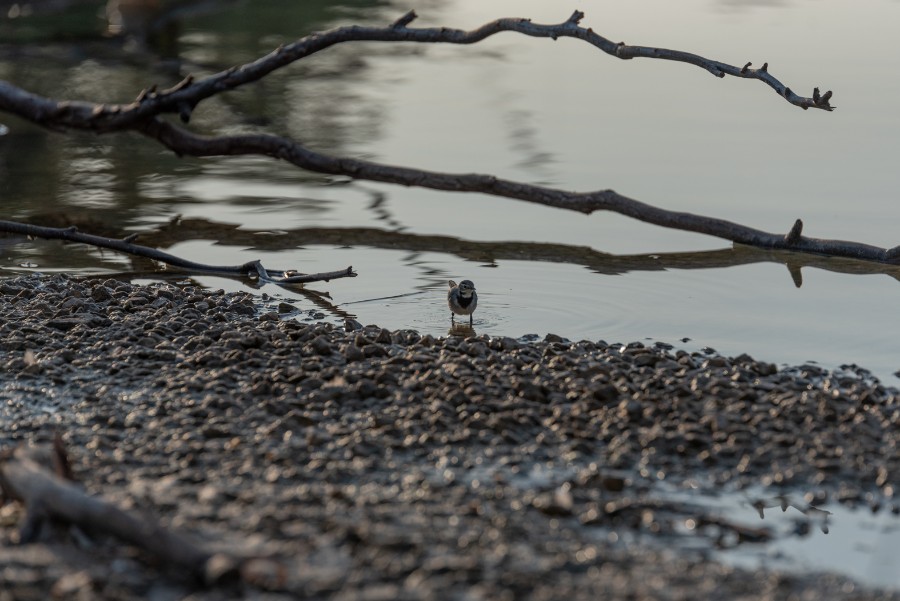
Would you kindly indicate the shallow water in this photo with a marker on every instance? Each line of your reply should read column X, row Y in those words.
column 856, row 542
column 797, row 535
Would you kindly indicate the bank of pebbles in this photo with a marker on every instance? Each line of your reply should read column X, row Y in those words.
column 390, row 465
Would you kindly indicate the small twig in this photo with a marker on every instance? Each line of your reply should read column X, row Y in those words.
column 793, row 236
column 252, row 268
column 404, row 20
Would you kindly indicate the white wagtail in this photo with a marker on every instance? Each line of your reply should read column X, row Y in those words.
column 462, row 299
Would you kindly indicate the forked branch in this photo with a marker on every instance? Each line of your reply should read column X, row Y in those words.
column 144, row 115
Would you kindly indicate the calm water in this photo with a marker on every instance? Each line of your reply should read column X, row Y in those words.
column 557, row 113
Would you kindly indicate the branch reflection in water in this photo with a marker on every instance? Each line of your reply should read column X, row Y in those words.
column 182, row 230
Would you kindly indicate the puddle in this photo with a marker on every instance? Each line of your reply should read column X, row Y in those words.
column 749, row 529
column 855, row 542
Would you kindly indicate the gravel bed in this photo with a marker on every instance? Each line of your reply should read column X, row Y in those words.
column 384, row 464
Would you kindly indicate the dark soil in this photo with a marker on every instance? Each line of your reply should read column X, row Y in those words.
column 388, row 465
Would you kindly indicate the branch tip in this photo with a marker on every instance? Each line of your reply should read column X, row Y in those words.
column 146, row 92
column 793, row 236
column 745, row 67
column 576, row 18
column 405, row 20
column 188, row 80
column 764, row 68
column 892, row 254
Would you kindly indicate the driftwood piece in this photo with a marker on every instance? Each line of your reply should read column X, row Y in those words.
column 26, row 476
column 38, row 476
column 126, row 245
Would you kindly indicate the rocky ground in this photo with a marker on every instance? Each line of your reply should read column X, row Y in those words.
column 388, row 465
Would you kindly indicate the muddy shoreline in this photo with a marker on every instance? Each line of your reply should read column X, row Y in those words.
column 389, row 465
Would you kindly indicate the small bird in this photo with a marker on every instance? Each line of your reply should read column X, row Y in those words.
column 462, row 299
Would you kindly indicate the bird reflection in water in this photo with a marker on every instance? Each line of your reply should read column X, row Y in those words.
column 461, row 329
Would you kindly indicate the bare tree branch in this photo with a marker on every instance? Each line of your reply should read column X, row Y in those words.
column 143, row 116
column 125, row 245
column 182, row 98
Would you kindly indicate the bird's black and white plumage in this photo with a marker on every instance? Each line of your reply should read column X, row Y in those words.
column 462, row 299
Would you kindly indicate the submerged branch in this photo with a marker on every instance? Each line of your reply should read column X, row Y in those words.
column 252, row 269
